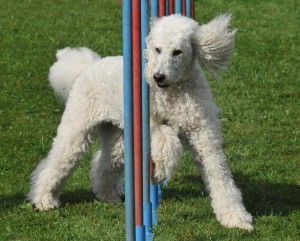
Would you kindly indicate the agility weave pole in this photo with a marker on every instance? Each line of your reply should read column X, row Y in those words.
column 141, row 197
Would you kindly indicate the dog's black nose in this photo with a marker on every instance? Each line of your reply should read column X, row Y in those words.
column 159, row 77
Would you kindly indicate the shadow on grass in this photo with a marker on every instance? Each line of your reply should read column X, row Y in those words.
column 8, row 202
column 188, row 186
column 260, row 198
column 77, row 196
column 268, row 198
column 69, row 197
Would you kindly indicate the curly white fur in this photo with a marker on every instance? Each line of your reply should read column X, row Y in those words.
column 182, row 108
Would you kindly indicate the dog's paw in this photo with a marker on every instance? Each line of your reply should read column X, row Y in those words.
column 166, row 150
column 110, row 196
column 241, row 219
column 45, row 202
column 159, row 173
column 239, row 224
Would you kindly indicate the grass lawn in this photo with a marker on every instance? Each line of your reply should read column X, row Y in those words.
column 259, row 97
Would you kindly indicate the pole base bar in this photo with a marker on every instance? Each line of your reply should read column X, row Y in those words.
column 160, row 193
column 140, row 234
column 148, row 221
column 149, row 236
column 147, row 215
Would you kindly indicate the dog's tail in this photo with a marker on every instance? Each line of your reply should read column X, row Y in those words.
column 70, row 63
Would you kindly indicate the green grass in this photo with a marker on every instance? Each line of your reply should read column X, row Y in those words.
column 259, row 98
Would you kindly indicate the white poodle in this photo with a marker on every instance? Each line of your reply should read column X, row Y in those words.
column 182, row 108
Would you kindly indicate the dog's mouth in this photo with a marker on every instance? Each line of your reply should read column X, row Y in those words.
column 162, row 85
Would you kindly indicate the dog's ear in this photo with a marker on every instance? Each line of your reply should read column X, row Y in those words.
column 214, row 43
column 153, row 22
column 148, row 52
column 149, row 46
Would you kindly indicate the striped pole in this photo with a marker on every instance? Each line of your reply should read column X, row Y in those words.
column 155, row 11
column 137, row 120
column 141, row 196
column 146, row 125
column 128, row 120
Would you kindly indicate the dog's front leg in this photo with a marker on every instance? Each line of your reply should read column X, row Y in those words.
column 166, row 150
column 226, row 197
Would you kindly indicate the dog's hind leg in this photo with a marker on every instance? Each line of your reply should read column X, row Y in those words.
column 107, row 165
column 68, row 147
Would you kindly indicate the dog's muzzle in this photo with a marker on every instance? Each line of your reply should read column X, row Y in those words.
column 159, row 79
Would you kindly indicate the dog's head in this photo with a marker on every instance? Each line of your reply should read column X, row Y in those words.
column 176, row 42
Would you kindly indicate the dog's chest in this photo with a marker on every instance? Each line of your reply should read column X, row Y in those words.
column 182, row 112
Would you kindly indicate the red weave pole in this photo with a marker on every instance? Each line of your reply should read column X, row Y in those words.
column 184, row 7
column 162, row 8
column 137, row 112
column 193, row 9
column 171, row 6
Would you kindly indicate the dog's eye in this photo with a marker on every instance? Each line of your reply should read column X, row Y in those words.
column 176, row 52
column 158, row 50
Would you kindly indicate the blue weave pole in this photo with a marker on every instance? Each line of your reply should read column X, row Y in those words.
column 178, row 6
column 189, row 8
column 154, row 188
column 167, row 7
column 146, row 125
column 154, row 8
column 154, row 201
column 159, row 193
column 128, row 120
